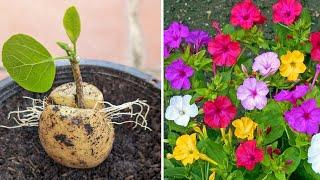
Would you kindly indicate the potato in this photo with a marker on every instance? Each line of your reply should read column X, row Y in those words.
column 74, row 137
column 66, row 95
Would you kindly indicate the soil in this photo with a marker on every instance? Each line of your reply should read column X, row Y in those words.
column 136, row 153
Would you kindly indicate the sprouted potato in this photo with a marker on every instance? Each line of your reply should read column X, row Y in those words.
column 75, row 123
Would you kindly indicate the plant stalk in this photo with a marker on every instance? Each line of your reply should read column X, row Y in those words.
column 78, row 80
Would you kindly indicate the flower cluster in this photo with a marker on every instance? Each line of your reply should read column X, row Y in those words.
column 238, row 104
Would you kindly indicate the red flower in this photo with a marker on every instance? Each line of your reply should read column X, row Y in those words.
column 286, row 11
column 219, row 113
column 315, row 42
column 224, row 51
column 248, row 155
column 246, row 14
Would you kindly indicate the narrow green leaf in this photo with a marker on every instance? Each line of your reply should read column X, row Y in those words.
column 29, row 63
column 71, row 23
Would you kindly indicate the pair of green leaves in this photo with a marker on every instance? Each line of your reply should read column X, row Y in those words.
column 29, row 63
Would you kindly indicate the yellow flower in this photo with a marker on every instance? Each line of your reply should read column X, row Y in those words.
column 245, row 128
column 213, row 175
column 292, row 65
column 186, row 150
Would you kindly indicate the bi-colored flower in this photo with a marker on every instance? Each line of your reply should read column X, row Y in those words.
column 197, row 39
column 245, row 128
column 292, row 65
column 248, row 155
column 180, row 110
column 174, row 35
column 224, row 50
column 304, row 118
column 292, row 96
column 219, row 112
column 286, row 11
column 186, row 150
column 314, row 153
column 178, row 74
column 315, row 42
column 266, row 63
column 252, row 94
column 246, row 14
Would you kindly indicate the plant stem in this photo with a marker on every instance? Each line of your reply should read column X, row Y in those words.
column 78, row 80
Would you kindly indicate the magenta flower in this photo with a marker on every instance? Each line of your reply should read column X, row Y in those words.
column 266, row 64
column 174, row 35
column 178, row 73
column 292, row 96
column 304, row 118
column 286, row 11
column 166, row 51
column 252, row 94
column 197, row 39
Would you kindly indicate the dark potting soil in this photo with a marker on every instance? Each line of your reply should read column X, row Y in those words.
column 135, row 153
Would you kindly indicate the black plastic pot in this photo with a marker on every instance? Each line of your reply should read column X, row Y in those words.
column 135, row 154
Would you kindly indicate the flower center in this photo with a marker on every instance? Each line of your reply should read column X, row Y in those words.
column 182, row 113
column 287, row 14
column 246, row 17
column 182, row 73
column 252, row 158
column 225, row 48
column 254, row 93
column 293, row 65
column 306, row 116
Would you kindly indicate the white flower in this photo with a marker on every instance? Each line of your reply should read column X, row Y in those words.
column 180, row 110
column 314, row 153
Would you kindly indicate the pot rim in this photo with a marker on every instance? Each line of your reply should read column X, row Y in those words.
column 101, row 63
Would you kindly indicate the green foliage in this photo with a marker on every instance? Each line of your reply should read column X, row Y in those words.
column 198, row 61
column 29, row 63
column 72, row 25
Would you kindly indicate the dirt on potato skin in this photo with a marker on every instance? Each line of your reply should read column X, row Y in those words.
column 135, row 153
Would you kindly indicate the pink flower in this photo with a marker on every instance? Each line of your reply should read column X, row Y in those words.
column 286, row 11
column 266, row 63
column 246, row 14
column 252, row 94
column 219, row 113
column 224, row 51
column 178, row 74
column 248, row 155
column 315, row 42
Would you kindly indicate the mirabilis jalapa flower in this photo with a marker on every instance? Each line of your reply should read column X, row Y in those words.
column 314, row 153
column 174, row 35
column 248, row 155
column 186, row 150
column 292, row 65
column 315, row 42
column 178, row 74
column 246, row 14
column 286, row 11
column 180, row 110
column 245, row 128
column 266, row 63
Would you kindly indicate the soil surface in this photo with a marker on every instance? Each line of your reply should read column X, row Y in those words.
column 198, row 14
column 135, row 153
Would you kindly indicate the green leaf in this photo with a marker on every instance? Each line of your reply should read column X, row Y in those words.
column 175, row 172
column 292, row 154
column 29, row 63
column 305, row 171
column 71, row 23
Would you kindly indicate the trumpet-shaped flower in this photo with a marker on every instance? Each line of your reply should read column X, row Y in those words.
column 224, row 51
column 174, row 35
column 304, row 118
column 292, row 65
column 248, row 155
column 286, row 11
column 314, row 153
column 292, row 96
column 266, row 64
column 186, row 150
column 219, row 113
column 178, row 74
column 197, row 39
column 180, row 110
column 246, row 14
column 245, row 128
column 252, row 94
column 315, row 42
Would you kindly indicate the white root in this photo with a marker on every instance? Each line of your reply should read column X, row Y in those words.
column 31, row 115
column 28, row 117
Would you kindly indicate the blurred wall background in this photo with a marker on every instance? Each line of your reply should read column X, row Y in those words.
column 105, row 28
